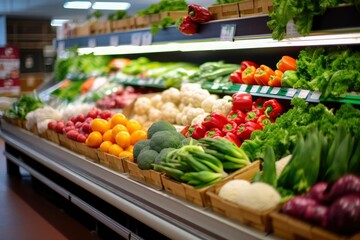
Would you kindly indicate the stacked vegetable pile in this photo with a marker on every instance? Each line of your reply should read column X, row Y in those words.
column 252, row 74
column 119, row 97
column 184, row 159
column 21, row 107
column 245, row 117
column 318, row 172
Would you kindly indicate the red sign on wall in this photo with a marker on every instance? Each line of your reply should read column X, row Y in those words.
column 9, row 71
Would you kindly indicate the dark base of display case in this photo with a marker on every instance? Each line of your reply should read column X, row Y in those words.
column 67, row 206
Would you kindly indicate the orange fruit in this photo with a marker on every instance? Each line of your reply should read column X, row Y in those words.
column 129, row 148
column 133, row 125
column 108, row 136
column 115, row 150
column 100, row 125
column 104, row 146
column 118, row 118
column 137, row 136
column 94, row 139
column 127, row 154
column 118, row 128
column 123, row 139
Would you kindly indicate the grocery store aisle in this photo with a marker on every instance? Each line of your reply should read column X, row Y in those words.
column 25, row 214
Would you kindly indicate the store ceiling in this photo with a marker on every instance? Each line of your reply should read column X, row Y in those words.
column 54, row 8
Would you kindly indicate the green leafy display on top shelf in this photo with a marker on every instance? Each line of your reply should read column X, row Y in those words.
column 25, row 104
column 70, row 92
column 302, row 12
column 282, row 135
column 227, row 1
column 80, row 65
column 163, row 24
column 331, row 70
column 163, row 6
column 118, row 15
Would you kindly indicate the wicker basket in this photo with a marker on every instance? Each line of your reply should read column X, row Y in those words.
column 149, row 177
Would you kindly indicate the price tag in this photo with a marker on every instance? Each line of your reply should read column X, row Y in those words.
column 254, row 88
column 264, row 89
column 146, row 38
column 291, row 30
column 61, row 46
column 142, row 81
column 92, row 43
column 243, row 88
column 275, row 90
column 304, row 94
column 114, row 40
column 136, row 39
column 315, row 95
column 291, row 92
column 227, row 32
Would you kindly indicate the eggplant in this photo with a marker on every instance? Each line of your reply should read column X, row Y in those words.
column 344, row 215
column 318, row 192
column 345, row 185
column 296, row 206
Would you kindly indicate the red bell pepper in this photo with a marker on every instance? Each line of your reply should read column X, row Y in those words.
column 236, row 77
column 286, row 63
column 199, row 14
column 214, row 120
column 247, row 63
column 262, row 75
column 229, row 127
column 253, row 115
column 213, row 133
column 187, row 26
column 272, row 108
column 258, row 103
column 263, row 120
column 244, row 130
column 247, row 75
column 236, row 116
column 196, row 131
column 184, row 131
column 232, row 138
column 242, row 102
column 275, row 80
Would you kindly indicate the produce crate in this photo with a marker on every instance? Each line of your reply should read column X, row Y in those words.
column 16, row 122
column 199, row 196
column 101, row 27
column 246, row 7
column 102, row 158
column 81, row 30
column 142, row 21
column 287, row 227
column 250, row 217
column 34, row 130
column 223, row 11
column 65, row 141
column 116, row 163
column 123, row 24
column 90, row 153
column 262, row 6
column 149, row 177
column 174, row 15
column 53, row 136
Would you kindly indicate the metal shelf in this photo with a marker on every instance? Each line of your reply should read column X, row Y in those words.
column 165, row 213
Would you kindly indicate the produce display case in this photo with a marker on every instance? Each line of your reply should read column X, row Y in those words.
column 170, row 211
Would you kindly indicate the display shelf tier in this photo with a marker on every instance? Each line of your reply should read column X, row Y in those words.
column 246, row 28
column 173, row 217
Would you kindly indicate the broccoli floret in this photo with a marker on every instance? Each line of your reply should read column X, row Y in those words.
column 164, row 139
column 188, row 141
column 162, row 155
column 158, row 126
column 146, row 159
column 139, row 146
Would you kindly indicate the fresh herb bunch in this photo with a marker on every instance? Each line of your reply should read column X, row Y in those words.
column 25, row 104
column 163, row 6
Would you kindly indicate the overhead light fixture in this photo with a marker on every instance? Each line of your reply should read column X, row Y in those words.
column 58, row 22
column 111, row 5
column 77, row 4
